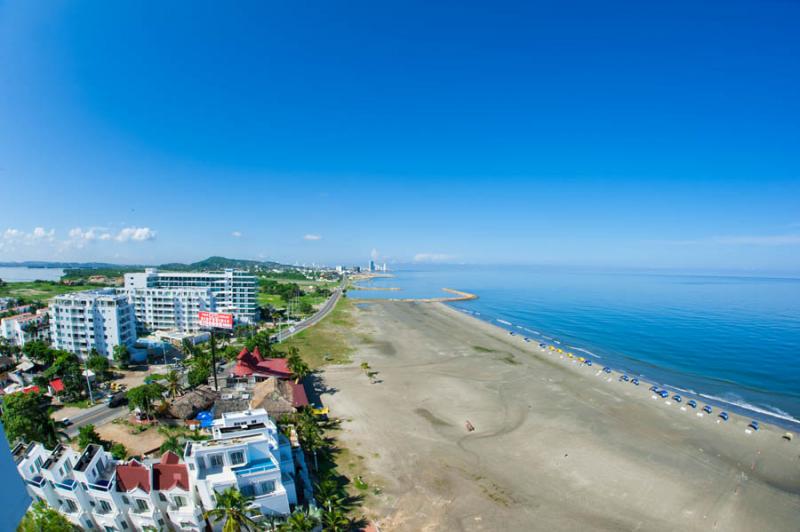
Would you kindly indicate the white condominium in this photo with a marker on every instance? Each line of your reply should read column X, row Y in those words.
column 247, row 453
column 100, row 319
column 22, row 328
column 232, row 291
column 167, row 309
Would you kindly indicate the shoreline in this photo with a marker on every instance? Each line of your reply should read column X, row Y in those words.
column 550, row 443
column 458, row 295
column 752, row 412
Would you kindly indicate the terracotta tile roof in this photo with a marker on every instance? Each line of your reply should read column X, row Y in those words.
column 133, row 475
column 253, row 364
column 170, row 473
column 57, row 385
column 299, row 397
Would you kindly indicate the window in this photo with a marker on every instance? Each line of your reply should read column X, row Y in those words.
column 215, row 460
column 237, row 458
column 104, row 506
column 125, row 500
column 162, row 497
column 267, row 487
column 248, row 490
column 124, row 525
column 142, row 505
column 71, row 506
column 179, row 501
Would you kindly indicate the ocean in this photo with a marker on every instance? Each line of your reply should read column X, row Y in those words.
column 732, row 340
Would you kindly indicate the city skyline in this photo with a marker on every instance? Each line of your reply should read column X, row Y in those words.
column 519, row 134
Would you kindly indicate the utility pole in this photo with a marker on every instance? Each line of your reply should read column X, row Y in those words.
column 214, row 359
column 88, row 382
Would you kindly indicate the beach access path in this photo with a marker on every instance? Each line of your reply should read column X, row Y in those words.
column 555, row 446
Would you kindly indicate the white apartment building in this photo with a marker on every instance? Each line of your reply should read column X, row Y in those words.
column 233, row 291
column 169, row 309
column 23, row 328
column 248, row 453
column 96, row 492
column 99, row 319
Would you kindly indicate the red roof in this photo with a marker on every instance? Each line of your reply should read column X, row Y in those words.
column 299, row 397
column 57, row 385
column 30, row 389
column 133, row 475
column 253, row 364
column 170, row 473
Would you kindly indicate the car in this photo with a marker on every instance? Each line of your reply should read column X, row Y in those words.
column 664, row 393
column 66, row 422
column 692, row 403
column 677, row 398
column 724, row 416
column 654, row 389
column 118, row 399
column 753, row 425
column 707, row 409
column 635, row 381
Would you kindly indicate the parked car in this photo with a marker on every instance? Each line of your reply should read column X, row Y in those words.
column 66, row 422
column 692, row 403
column 118, row 399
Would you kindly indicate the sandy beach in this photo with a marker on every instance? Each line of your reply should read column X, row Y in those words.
column 556, row 445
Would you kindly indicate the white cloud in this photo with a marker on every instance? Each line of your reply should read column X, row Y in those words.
column 374, row 255
column 432, row 257
column 312, row 237
column 12, row 234
column 138, row 234
column 39, row 233
column 236, row 234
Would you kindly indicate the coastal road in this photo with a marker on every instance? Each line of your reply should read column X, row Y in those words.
column 329, row 305
column 96, row 415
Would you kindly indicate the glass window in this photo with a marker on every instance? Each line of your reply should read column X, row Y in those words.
column 179, row 501
column 142, row 505
column 237, row 458
column 267, row 487
column 215, row 460
column 162, row 497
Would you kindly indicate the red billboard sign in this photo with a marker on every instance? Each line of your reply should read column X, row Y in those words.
column 217, row 320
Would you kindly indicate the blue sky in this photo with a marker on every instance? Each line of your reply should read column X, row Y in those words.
column 613, row 134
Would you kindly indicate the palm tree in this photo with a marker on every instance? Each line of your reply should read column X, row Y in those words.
column 299, row 521
column 299, row 368
column 236, row 510
column 173, row 384
column 335, row 521
column 328, row 494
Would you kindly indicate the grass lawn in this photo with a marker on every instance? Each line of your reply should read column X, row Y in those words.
column 301, row 282
column 326, row 342
column 40, row 291
column 271, row 299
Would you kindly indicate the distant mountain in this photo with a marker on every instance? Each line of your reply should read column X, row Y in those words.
column 79, row 269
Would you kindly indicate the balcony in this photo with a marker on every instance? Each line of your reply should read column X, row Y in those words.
column 258, row 466
column 68, row 484
column 37, row 481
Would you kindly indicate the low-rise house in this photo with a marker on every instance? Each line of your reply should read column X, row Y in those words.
column 255, row 368
column 278, row 396
column 23, row 328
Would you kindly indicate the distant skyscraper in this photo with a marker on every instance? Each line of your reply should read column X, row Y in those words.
column 372, row 265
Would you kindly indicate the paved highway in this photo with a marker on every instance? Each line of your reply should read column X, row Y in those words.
column 313, row 320
column 96, row 415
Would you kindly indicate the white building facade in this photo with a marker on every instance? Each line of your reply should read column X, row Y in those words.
column 23, row 328
column 95, row 492
column 100, row 319
column 232, row 291
column 247, row 453
column 169, row 309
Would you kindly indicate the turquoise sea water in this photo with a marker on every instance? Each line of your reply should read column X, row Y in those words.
column 733, row 340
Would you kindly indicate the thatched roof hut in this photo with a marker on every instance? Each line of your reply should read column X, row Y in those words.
column 278, row 396
column 189, row 404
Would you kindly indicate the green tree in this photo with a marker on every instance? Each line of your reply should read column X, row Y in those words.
column 99, row 365
column 299, row 521
column 122, row 356
column 173, row 383
column 235, row 509
column 88, row 435
column 329, row 494
column 335, row 521
column 39, row 352
column 198, row 375
column 145, row 397
column 25, row 418
column 172, row 441
column 297, row 366
column 41, row 518
column 118, row 451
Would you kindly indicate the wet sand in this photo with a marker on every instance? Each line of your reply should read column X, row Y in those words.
column 555, row 446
